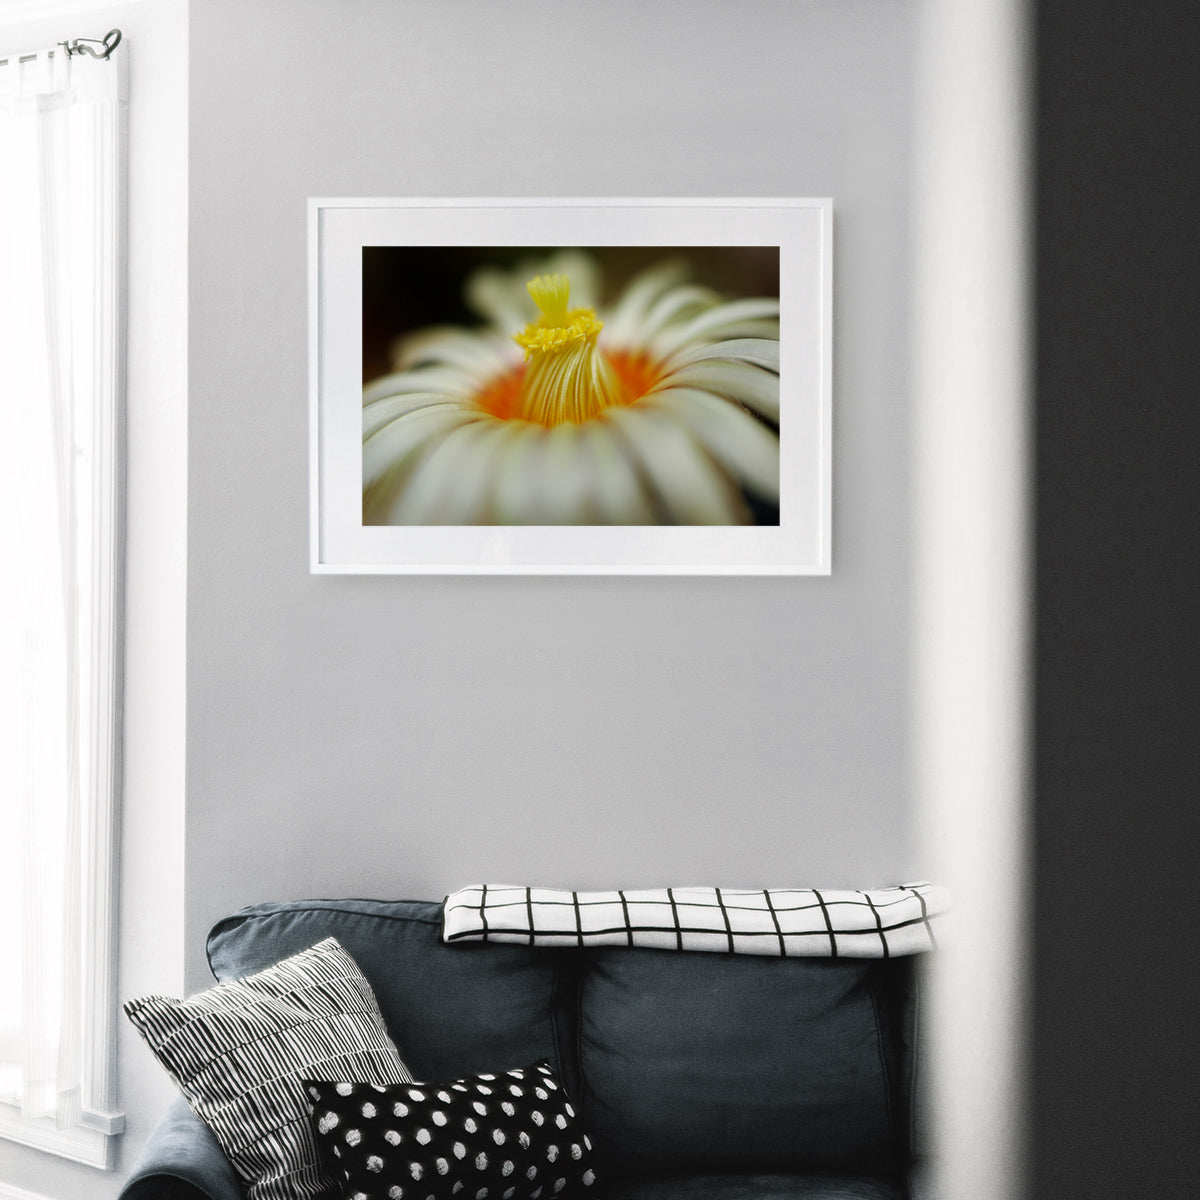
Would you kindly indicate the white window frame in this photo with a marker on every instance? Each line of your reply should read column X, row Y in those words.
column 92, row 1140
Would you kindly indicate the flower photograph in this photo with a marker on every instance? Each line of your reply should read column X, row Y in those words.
column 576, row 386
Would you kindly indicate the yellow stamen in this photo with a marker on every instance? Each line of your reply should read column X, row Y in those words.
column 568, row 377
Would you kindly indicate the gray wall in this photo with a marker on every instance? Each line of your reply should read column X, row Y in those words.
column 402, row 736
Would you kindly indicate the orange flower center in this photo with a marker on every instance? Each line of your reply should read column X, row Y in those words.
column 502, row 395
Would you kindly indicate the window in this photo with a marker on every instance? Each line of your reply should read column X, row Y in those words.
column 60, row 386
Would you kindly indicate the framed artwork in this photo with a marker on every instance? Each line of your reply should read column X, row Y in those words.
column 570, row 386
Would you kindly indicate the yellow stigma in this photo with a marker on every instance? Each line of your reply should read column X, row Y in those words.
column 557, row 328
column 550, row 293
column 568, row 377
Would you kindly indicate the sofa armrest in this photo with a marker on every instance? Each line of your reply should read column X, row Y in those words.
column 182, row 1161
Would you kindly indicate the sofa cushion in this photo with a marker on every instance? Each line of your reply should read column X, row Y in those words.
column 451, row 1010
column 709, row 1062
column 239, row 1051
column 732, row 1186
column 507, row 1134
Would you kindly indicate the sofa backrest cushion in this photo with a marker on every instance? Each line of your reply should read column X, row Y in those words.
column 694, row 1061
column 452, row 1011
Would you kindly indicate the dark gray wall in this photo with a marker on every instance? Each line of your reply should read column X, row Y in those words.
column 406, row 735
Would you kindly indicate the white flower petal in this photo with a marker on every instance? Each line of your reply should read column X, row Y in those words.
column 751, row 385
column 724, row 319
column 479, row 352
column 515, row 497
column 424, row 379
column 745, row 329
column 734, row 327
column 568, row 477
column 620, row 497
column 499, row 296
column 763, row 351
column 745, row 447
column 391, row 408
column 672, row 305
column 623, row 322
column 451, row 484
column 690, row 487
column 546, row 479
column 388, row 453
column 572, row 474
column 490, row 455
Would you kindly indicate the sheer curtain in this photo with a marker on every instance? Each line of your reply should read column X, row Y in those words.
column 59, row 368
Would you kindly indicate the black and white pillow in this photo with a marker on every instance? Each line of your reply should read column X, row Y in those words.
column 240, row 1051
column 788, row 922
column 508, row 1136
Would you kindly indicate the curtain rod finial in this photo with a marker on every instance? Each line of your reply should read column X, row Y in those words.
column 107, row 44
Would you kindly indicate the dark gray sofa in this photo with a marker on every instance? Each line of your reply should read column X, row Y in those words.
column 698, row 1076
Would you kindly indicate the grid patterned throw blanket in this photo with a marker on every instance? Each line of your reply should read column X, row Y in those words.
column 791, row 922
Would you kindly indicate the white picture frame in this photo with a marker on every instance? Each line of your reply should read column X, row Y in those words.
column 341, row 229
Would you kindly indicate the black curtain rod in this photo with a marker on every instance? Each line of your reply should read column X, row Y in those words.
column 96, row 47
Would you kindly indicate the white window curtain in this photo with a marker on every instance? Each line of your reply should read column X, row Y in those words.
column 60, row 363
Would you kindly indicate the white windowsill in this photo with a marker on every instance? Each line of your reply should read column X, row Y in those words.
column 91, row 1142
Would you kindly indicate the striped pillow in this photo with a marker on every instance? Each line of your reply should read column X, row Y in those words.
column 240, row 1050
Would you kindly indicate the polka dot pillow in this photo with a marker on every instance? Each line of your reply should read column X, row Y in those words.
column 508, row 1136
